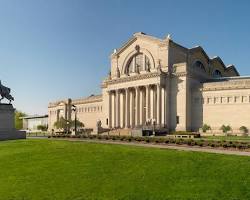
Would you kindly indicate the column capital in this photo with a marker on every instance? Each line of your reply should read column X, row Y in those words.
column 111, row 91
column 137, row 87
column 117, row 91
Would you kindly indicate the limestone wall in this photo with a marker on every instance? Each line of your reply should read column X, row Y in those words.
column 88, row 110
column 221, row 103
column 89, row 114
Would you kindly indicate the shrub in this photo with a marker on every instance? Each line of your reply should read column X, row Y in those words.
column 188, row 142
column 244, row 129
column 147, row 140
column 122, row 138
column 138, row 139
column 167, row 140
column 91, row 137
column 129, row 139
column 205, row 128
column 225, row 129
column 99, row 137
column 84, row 136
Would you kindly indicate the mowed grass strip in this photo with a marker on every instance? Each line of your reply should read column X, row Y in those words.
column 64, row 170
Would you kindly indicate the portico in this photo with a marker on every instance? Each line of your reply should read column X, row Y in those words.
column 134, row 107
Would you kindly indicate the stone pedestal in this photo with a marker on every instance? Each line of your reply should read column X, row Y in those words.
column 7, row 123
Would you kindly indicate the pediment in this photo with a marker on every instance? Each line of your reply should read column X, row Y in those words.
column 138, row 36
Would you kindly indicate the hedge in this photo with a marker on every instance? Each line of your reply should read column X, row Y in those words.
column 165, row 140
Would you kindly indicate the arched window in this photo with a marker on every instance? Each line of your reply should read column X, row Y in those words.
column 199, row 65
column 138, row 63
column 217, row 74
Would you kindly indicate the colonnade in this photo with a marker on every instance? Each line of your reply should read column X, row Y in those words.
column 137, row 106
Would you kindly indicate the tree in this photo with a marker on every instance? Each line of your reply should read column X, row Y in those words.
column 66, row 124
column 244, row 129
column 205, row 128
column 225, row 129
column 78, row 124
column 42, row 127
column 61, row 123
column 19, row 120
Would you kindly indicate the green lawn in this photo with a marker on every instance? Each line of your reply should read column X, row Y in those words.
column 63, row 170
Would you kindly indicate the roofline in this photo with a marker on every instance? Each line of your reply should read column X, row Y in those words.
column 231, row 78
column 196, row 48
column 201, row 49
column 34, row 116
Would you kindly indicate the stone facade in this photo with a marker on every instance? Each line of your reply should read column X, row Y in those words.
column 7, row 125
column 157, row 81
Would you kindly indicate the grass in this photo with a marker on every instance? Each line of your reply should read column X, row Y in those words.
column 62, row 170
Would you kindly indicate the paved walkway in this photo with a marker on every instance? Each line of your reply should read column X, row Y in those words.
column 164, row 146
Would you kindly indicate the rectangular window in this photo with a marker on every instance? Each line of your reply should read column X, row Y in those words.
column 216, row 100
column 177, row 119
column 107, row 121
column 244, row 99
column 237, row 99
column 210, row 100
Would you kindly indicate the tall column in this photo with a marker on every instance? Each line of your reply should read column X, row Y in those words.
column 141, row 107
column 147, row 102
column 113, row 111
column 110, row 109
column 158, row 104
column 117, row 108
column 137, row 106
column 131, row 108
column 163, row 106
column 152, row 101
column 167, row 105
column 127, row 108
column 121, row 108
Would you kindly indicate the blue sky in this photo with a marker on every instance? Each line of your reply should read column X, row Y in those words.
column 54, row 49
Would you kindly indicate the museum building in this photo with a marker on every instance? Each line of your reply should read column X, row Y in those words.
column 158, row 82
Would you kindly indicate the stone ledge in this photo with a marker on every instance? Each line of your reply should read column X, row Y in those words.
column 13, row 135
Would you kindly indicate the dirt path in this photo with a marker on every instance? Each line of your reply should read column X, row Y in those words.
column 164, row 146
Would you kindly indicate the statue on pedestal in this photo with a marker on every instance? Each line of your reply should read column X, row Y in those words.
column 5, row 93
column 7, row 116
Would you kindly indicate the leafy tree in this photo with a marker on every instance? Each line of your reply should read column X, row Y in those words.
column 205, row 128
column 225, row 129
column 61, row 123
column 65, row 124
column 18, row 120
column 42, row 127
column 78, row 124
column 244, row 129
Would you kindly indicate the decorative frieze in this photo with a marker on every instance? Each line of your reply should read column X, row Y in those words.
column 225, row 99
column 134, row 78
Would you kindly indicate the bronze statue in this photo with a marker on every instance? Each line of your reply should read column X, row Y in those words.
column 5, row 93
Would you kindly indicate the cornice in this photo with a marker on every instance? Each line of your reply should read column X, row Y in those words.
column 134, row 78
column 91, row 99
column 226, row 85
column 85, row 101
column 179, row 74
